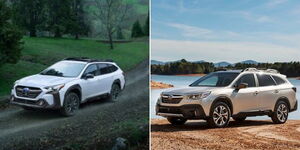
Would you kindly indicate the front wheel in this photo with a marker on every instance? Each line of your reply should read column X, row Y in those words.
column 114, row 92
column 176, row 120
column 281, row 112
column 220, row 115
column 71, row 104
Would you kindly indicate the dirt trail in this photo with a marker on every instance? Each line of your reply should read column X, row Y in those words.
column 21, row 129
column 249, row 134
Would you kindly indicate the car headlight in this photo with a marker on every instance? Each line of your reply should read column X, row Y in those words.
column 198, row 96
column 55, row 87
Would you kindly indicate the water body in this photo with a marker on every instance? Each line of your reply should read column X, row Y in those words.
column 184, row 81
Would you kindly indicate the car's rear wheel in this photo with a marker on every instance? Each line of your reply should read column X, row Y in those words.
column 220, row 115
column 176, row 120
column 281, row 112
column 114, row 92
column 71, row 104
column 239, row 119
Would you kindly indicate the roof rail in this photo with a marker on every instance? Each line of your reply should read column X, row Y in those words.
column 272, row 71
column 250, row 69
column 86, row 59
column 258, row 70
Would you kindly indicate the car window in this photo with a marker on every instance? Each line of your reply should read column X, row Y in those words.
column 278, row 80
column 107, row 68
column 248, row 78
column 216, row 79
column 91, row 69
column 265, row 80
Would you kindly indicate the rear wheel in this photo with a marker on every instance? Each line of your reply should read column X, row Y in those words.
column 239, row 118
column 220, row 115
column 281, row 112
column 114, row 92
column 176, row 120
column 71, row 104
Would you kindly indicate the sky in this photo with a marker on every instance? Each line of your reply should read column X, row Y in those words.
column 225, row 30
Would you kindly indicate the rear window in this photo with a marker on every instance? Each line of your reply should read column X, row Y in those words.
column 265, row 80
column 278, row 80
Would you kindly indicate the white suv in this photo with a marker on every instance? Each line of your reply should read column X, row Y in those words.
column 221, row 95
column 68, row 83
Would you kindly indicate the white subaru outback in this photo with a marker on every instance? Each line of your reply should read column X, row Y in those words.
column 68, row 83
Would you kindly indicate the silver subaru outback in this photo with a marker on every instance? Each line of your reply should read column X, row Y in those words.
column 221, row 95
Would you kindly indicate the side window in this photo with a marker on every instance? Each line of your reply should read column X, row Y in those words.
column 265, row 80
column 103, row 68
column 278, row 80
column 113, row 68
column 248, row 78
column 91, row 69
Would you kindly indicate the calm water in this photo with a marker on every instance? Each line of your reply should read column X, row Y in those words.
column 184, row 81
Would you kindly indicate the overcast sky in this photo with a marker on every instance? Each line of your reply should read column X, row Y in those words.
column 235, row 30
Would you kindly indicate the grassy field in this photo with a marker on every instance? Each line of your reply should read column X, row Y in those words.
column 39, row 53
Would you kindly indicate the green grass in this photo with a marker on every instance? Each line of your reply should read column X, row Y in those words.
column 39, row 53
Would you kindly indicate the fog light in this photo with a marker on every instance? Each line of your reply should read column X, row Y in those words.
column 40, row 102
column 12, row 98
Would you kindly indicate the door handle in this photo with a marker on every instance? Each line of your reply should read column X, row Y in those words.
column 255, row 93
column 276, row 91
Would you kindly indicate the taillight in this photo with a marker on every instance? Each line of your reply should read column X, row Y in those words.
column 295, row 89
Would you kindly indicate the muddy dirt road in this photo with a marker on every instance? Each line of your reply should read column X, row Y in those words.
column 245, row 135
column 96, row 124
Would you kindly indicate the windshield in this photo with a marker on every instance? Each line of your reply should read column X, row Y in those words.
column 216, row 79
column 64, row 69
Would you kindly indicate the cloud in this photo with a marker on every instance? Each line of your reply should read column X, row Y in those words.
column 252, row 17
column 167, row 50
column 273, row 3
column 190, row 31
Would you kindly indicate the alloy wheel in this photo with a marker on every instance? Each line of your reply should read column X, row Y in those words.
column 282, row 112
column 220, row 115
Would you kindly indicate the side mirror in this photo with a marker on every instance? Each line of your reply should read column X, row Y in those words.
column 241, row 86
column 88, row 76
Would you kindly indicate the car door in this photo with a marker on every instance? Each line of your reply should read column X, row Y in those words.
column 105, row 78
column 89, row 86
column 246, row 99
column 268, row 92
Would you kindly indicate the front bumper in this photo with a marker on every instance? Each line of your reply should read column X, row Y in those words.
column 49, row 100
column 188, row 111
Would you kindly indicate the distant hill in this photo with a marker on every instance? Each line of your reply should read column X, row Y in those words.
column 155, row 62
column 200, row 61
column 249, row 62
column 222, row 64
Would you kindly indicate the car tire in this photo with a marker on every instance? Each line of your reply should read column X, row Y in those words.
column 239, row 119
column 114, row 92
column 71, row 104
column 177, row 120
column 220, row 115
column 281, row 112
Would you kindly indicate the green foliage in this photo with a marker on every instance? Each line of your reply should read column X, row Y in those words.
column 39, row 53
column 146, row 26
column 182, row 67
column 10, row 37
column 137, row 30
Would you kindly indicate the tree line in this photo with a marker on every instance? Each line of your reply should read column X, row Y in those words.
column 290, row 69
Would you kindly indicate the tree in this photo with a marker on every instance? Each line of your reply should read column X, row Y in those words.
column 137, row 30
column 59, row 13
column 111, row 13
column 77, row 25
column 29, row 14
column 146, row 27
column 10, row 37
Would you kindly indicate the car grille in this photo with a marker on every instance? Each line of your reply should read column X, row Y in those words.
column 29, row 92
column 171, row 99
column 169, row 110
column 18, row 100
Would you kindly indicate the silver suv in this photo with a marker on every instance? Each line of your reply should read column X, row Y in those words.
column 221, row 95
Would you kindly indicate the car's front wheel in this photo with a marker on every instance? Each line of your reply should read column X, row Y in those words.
column 176, row 120
column 281, row 112
column 220, row 115
column 114, row 92
column 71, row 104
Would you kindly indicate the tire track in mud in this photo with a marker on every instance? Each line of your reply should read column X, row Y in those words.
column 244, row 135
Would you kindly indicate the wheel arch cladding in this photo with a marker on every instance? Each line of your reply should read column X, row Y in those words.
column 284, row 99
column 118, row 82
column 76, row 89
column 223, row 99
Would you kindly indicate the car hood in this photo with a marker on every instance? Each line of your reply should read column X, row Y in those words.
column 188, row 90
column 43, row 80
